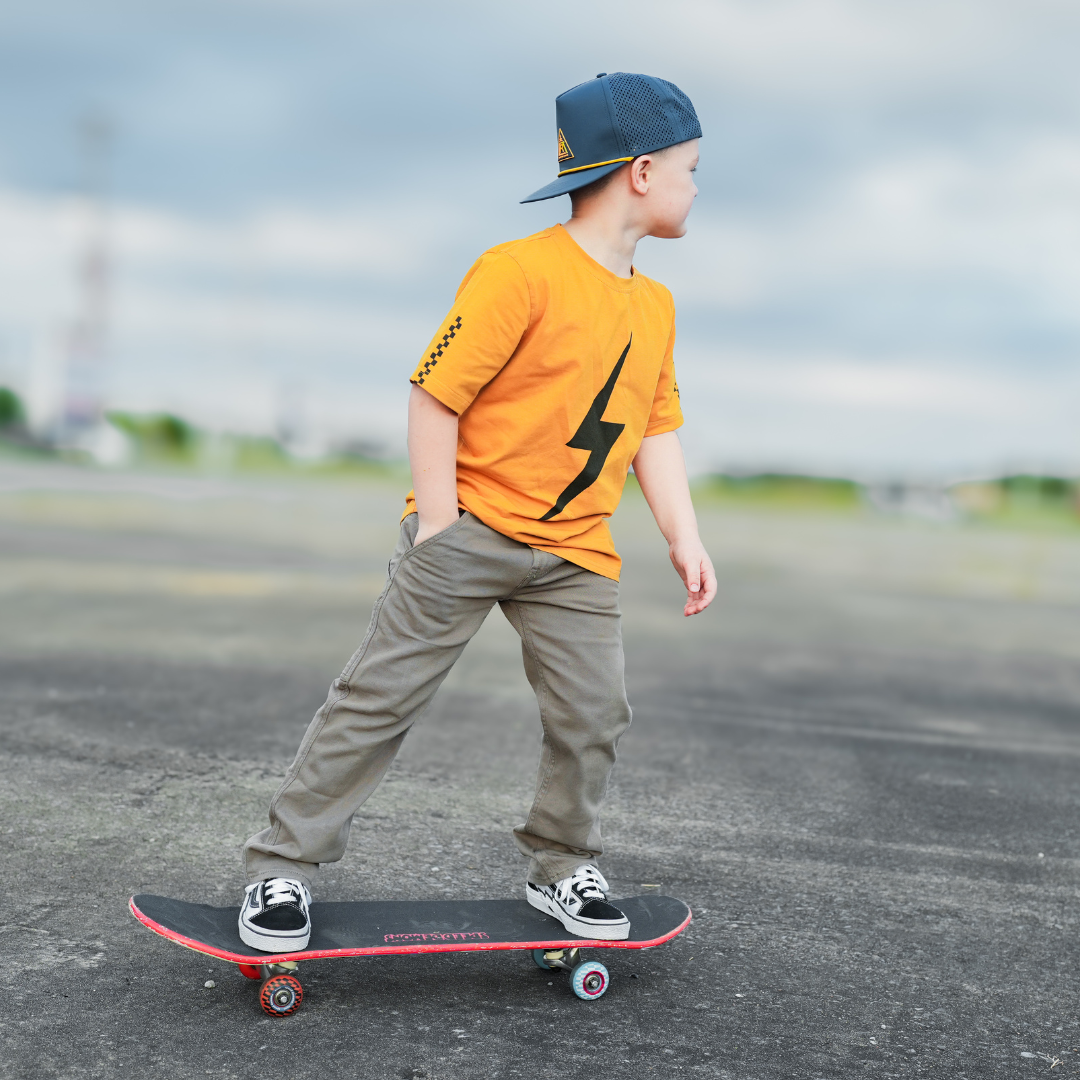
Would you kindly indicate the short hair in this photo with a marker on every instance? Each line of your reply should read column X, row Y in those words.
column 589, row 190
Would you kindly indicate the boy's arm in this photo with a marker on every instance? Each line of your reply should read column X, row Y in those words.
column 661, row 472
column 433, row 442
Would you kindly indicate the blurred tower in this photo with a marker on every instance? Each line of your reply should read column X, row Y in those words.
column 86, row 345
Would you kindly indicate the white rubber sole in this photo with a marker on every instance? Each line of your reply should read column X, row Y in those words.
column 602, row 931
column 268, row 942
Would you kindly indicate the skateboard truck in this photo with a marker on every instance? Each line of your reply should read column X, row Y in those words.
column 588, row 978
column 557, row 959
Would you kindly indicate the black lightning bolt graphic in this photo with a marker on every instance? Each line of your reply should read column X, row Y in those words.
column 596, row 435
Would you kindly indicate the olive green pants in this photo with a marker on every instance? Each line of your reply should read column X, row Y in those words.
column 436, row 596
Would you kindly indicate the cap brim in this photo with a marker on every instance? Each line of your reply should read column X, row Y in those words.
column 572, row 181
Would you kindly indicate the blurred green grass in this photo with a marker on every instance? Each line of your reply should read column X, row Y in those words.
column 1022, row 500
column 787, row 491
column 164, row 441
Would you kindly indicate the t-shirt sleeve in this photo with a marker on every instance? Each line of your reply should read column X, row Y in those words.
column 490, row 314
column 666, row 412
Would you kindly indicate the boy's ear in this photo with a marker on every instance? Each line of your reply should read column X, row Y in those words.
column 641, row 173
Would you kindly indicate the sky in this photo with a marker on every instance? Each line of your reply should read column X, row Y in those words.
column 879, row 278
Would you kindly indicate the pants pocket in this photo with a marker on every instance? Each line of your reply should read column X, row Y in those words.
column 440, row 535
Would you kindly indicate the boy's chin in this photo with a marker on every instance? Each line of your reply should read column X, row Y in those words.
column 669, row 232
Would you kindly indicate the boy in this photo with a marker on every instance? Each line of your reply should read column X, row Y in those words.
column 551, row 375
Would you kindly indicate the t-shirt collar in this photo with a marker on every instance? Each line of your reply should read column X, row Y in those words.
column 602, row 272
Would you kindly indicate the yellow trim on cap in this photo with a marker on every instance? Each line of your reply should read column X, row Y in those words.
column 595, row 165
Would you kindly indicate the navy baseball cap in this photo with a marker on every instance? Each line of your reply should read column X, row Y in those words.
column 613, row 119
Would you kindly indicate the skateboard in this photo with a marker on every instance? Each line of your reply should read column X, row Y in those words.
column 405, row 927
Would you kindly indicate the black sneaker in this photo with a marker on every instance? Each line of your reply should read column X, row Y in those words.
column 579, row 902
column 274, row 916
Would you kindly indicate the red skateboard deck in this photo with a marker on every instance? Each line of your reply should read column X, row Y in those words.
column 399, row 927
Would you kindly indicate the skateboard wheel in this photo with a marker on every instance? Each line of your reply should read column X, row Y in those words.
column 540, row 959
column 281, row 995
column 250, row 971
column 590, row 980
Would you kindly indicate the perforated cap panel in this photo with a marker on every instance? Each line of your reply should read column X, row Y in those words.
column 685, row 119
column 646, row 121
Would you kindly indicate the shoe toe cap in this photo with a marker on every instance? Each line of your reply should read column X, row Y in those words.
column 285, row 917
column 601, row 910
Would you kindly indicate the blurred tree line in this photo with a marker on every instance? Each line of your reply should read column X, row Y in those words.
column 11, row 409
column 165, row 439
column 162, row 439
column 1025, row 499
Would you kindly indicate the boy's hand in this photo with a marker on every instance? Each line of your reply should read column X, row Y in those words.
column 693, row 565
column 429, row 528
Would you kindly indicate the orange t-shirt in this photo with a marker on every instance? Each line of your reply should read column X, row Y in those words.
column 557, row 369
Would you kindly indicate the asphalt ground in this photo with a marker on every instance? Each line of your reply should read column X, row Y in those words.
column 861, row 769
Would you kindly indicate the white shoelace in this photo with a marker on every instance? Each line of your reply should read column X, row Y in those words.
column 283, row 891
column 588, row 883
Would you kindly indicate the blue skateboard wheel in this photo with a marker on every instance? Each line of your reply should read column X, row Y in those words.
column 590, row 980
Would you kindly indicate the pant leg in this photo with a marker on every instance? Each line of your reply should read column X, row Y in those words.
column 571, row 639
column 436, row 596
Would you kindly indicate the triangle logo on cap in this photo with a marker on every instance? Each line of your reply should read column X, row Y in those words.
column 565, row 153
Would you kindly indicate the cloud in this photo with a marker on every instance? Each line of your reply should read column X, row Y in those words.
column 825, row 49
column 196, row 320
column 836, row 414
column 960, row 255
column 883, row 263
